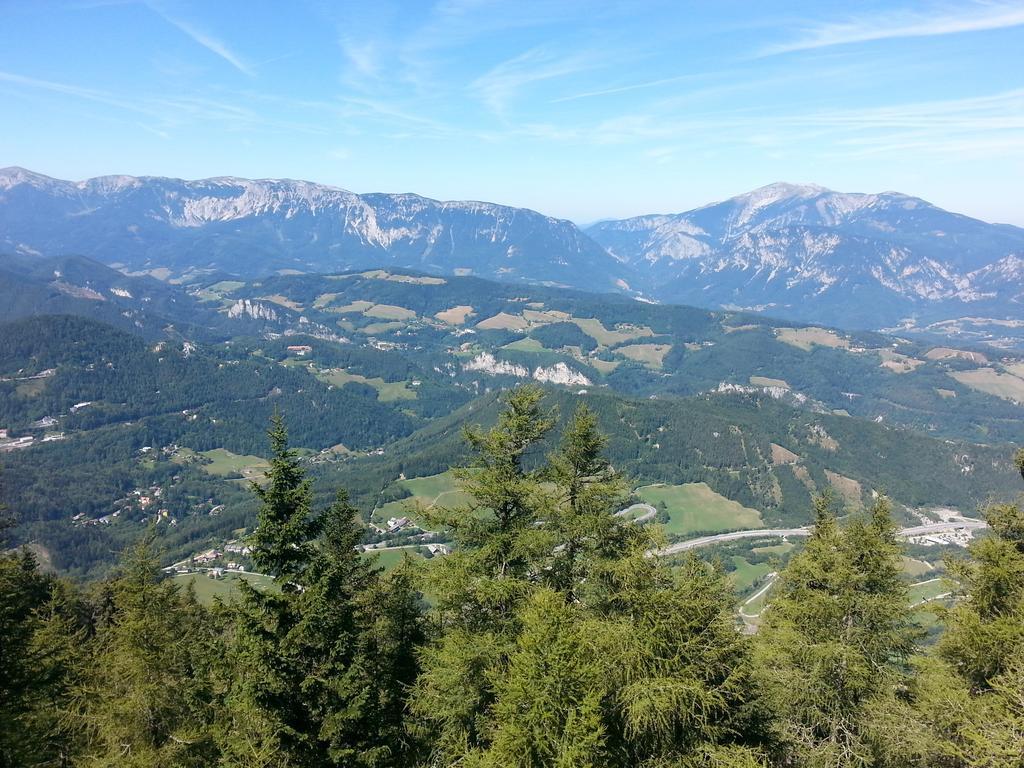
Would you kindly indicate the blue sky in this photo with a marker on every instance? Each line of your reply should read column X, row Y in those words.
column 584, row 110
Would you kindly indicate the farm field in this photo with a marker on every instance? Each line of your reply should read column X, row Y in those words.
column 389, row 559
column 606, row 338
column 991, row 381
column 434, row 490
column 777, row 550
column 746, row 574
column 805, row 338
column 526, row 344
column 283, row 301
column 503, row 321
column 224, row 463
column 456, row 315
column 650, row 355
column 389, row 312
column 916, row 568
column 225, row 588
column 387, row 391
column 695, row 508
column 930, row 589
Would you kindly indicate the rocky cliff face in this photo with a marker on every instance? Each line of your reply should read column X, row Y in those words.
column 255, row 227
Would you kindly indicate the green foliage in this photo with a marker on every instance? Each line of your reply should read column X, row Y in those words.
column 145, row 697
column 836, row 638
column 558, row 335
column 39, row 635
column 559, row 641
column 329, row 656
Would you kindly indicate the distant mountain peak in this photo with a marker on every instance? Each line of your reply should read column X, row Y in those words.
column 783, row 190
column 172, row 227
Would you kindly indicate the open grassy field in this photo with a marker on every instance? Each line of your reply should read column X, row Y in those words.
column 737, row 328
column 224, row 463
column 540, row 315
column 30, row 388
column 947, row 353
column 456, row 315
column 225, row 286
column 775, row 549
column 435, row 490
column 782, row 455
column 380, row 274
column 389, row 312
column 764, row 381
column 283, row 301
column 752, row 605
column 650, row 355
column 225, row 588
column 389, row 559
column 746, row 574
column 602, row 366
column 848, row 488
column 930, row 589
column 805, row 338
column 359, row 305
column 916, row 568
column 323, row 300
column 695, row 508
column 606, row 338
column 525, row 344
column 387, row 391
column 503, row 321
column 896, row 362
column 991, row 381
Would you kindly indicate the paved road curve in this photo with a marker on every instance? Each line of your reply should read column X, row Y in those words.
column 771, row 533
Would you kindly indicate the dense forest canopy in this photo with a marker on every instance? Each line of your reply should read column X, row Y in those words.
column 548, row 637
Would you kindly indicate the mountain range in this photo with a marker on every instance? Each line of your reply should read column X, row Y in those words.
column 802, row 252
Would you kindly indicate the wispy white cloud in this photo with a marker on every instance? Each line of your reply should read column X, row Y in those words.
column 67, row 89
column 171, row 110
column 503, row 82
column 992, row 124
column 207, row 41
column 967, row 17
column 626, row 88
column 362, row 56
column 155, row 131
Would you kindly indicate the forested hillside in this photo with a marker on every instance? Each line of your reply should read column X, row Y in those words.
column 547, row 637
column 100, row 419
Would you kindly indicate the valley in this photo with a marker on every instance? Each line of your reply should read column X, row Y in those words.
column 721, row 421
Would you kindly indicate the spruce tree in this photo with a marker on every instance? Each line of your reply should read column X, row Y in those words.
column 837, row 638
column 145, row 698
column 316, row 679
column 969, row 695
column 41, row 634
column 560, row 642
